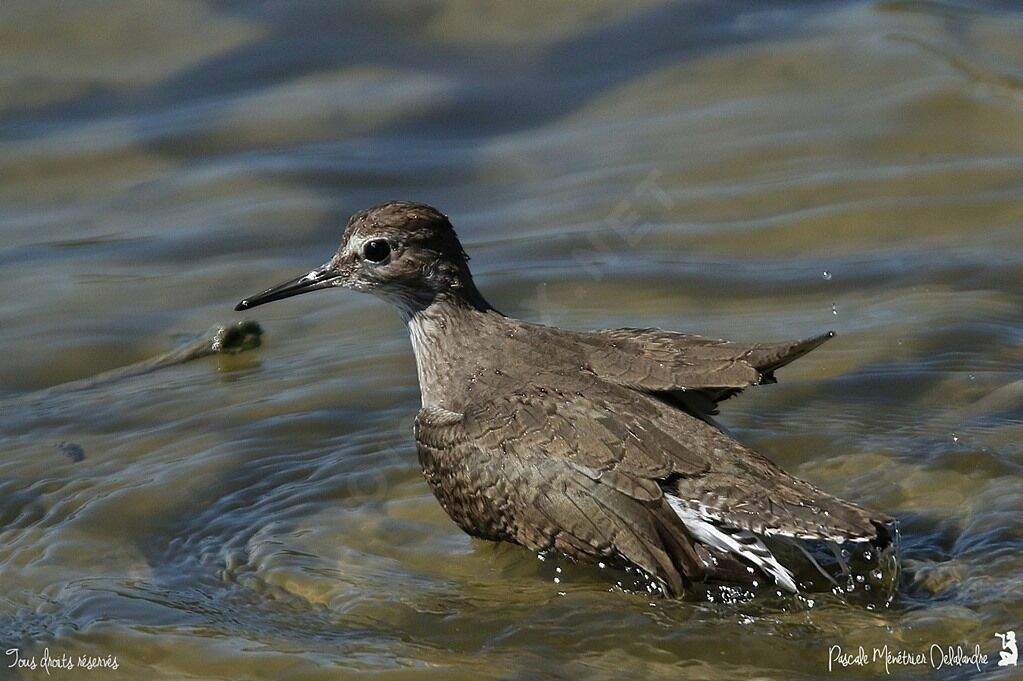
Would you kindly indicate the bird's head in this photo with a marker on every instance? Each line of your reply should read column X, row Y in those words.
column 406, row 253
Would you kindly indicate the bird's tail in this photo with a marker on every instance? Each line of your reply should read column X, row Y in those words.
column 768, row 357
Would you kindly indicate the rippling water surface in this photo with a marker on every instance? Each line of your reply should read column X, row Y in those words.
column 757, row 171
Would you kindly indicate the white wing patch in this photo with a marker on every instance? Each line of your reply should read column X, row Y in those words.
column 742, row 543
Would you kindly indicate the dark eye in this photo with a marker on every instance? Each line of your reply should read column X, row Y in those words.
column 376, row 250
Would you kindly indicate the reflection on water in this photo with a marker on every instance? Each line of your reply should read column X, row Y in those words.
column 696, row 165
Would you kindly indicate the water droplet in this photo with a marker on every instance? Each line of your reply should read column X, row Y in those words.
column 955, row 438
column 834, row 309
column 557, row 580
column 973, row 377
column 827, row 275
column 601, row 565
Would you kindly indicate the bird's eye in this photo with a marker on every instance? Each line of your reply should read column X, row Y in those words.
column 376, row 250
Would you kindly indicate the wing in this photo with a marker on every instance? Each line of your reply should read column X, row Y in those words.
column 747, row 491
column 688, row 361
column 503, row 473
column 637, row 445
column 656, row 360
column 690, row 372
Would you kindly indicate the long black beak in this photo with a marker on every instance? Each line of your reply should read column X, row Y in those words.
column 321, row 277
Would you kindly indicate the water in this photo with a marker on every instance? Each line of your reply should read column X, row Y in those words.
column 735, row 169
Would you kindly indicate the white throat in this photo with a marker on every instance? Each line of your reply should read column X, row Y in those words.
column 424, row 330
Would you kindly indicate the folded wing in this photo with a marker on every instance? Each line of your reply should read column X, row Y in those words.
column 584, row 468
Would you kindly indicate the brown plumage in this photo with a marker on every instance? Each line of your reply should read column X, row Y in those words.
column 600, row 445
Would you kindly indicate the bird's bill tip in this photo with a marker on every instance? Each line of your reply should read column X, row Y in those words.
column 321, row 277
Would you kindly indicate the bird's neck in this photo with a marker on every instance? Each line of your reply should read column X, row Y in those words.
column 445, row 336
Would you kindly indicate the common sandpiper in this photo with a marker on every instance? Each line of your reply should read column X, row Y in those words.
column 600, row 445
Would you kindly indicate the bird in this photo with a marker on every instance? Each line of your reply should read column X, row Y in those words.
column 597, row 445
